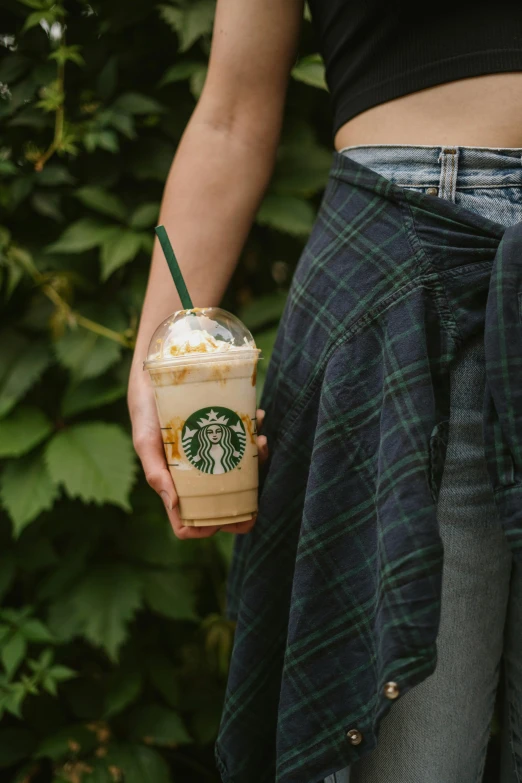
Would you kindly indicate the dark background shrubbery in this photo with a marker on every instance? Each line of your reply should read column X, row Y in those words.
column 113, row 643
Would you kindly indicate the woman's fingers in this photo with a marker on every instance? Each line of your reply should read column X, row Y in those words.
column 149, row 447
column 260, row 417
column 240, row 527
column 262, row 448
column 262, row 443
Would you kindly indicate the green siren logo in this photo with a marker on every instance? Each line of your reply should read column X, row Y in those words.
column 214, row 440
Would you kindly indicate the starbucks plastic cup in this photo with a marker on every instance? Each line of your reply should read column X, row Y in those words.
column 202, row 364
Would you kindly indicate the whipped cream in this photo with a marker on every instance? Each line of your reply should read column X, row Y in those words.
column 199, row 341
column 207, row 337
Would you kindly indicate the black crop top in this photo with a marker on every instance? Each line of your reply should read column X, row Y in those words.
column 376, row 50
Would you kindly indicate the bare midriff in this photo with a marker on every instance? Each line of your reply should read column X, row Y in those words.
column 482, row 111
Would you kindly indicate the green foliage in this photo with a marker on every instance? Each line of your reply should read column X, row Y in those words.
column 93, row 461
column 114, row 647
column 26, row 489
column 310, row 70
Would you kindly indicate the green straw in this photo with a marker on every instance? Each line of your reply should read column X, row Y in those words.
column 175, row 271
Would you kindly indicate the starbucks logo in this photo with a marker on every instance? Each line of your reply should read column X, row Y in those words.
column 214, row 440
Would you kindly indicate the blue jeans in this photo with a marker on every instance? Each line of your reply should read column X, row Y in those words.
column 438, row 732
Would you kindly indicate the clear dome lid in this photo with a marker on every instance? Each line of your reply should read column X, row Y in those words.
column 201, row 333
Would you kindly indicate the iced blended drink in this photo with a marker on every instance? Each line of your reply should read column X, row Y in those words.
column 202, row 363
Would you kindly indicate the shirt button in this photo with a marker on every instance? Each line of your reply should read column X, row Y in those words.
column 354, row 736
column 391, row 690
column 432, row 191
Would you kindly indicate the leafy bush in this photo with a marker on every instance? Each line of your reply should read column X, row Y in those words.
column 113, row 642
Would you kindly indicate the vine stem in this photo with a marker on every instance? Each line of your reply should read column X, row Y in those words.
column 72, row 316
column 81, row 320
column 58, row 120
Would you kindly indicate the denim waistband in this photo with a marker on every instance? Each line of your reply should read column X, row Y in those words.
column 429, row 166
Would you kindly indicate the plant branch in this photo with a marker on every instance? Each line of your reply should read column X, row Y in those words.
column 58, row 120
column 73, row 318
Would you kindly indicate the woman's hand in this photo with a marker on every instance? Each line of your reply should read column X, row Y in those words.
column 149, row 447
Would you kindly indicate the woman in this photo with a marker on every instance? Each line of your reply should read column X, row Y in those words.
column 431, row 103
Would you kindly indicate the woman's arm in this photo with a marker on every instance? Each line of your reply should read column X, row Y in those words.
column 216, row 182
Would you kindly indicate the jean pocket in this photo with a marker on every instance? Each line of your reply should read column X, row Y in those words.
column 504, row 205
column 419, row 188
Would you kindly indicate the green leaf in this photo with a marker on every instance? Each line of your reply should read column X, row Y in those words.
column 58, row 580
column 13, row 67
column 104, row 602
column 105, row 139
column 63, row 619
column 39, row 5
column 107, row 78
column 47, row 204
column 139, row 764
column 265, row 341
column 102, row 201
column 91, row 394
column 310, row 70
column 197, row 82
column 118, row 249
column 64, row 54
column 82, row 235
column 123, row 690
column 97, row 772
column 155, row 724
column 124, row 123
column 29, row 117
column 16, row 744
column 190, row 22
column 303, row 165
column 148, row 538
column 164, row 677
column 26, row 489
column 86, row 354
column 22, row 431
column 35, row 631
column 286, row 213
column 145, row 216
column 136, row 103
column 36, row 18
column 225, row 545
column 170, row 593
column 12, row 653
column 62, row 673
column 152, row 160
column 94, row 462
column 58, row 745
column 13, row 699
column 181, row 71
column 262, row 310
column 7, row 168
column 22, row 361
column 53, row 174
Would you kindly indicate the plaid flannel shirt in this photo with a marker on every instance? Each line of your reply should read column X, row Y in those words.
column 336, row 590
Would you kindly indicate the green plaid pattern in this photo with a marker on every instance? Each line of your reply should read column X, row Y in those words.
column 336, row 590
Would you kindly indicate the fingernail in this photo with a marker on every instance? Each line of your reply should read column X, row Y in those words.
column 166, row 500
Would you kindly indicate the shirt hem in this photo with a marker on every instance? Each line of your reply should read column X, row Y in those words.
column 439, row 72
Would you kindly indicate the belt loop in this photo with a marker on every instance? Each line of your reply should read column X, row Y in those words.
column 448, row 159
